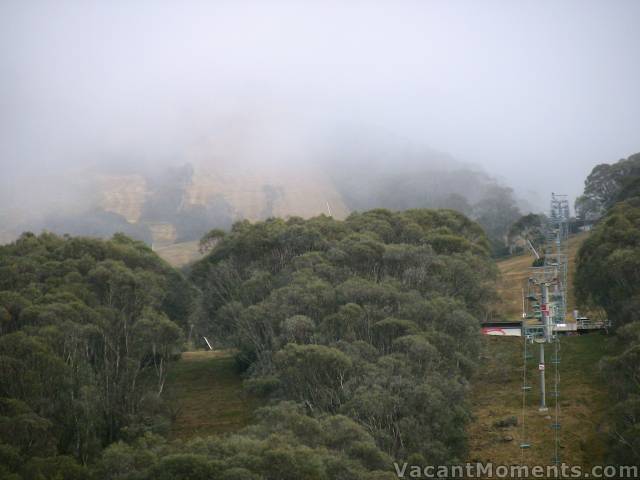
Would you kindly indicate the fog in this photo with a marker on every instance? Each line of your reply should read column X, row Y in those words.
column 533, row 92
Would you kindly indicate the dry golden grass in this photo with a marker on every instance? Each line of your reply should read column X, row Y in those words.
column 179, row 254
column 257, row 190
column 123, row 194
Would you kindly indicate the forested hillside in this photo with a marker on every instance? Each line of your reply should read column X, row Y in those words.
column 361, row 336
column 608, row 277
column 371, row 179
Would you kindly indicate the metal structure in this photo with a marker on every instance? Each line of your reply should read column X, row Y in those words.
column 545, row 309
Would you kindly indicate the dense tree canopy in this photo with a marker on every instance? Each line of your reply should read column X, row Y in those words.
column 528, row 228
column 605, row 185
column 360, row 334
column 366, row 183
column 608, row 271
column 82, row 323
column 284, row 444
column 608, row 276
column 496, row 211
column 375, row 318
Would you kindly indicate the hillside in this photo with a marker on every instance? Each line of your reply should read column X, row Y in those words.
column 210, row 398
column 254, row 172
column 179, row 254
column 513, row 277
column 496, row 393
column 202, row 196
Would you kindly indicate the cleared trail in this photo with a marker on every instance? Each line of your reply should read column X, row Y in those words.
column 496, row 395
column 209, row 396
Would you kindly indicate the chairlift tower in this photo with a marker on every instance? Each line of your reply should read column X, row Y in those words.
column 546, row 301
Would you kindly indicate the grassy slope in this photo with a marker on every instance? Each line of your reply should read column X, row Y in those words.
column 179, row 254
column 209, row 395
column 496, row 394
column 496, row 391
column 514, row 272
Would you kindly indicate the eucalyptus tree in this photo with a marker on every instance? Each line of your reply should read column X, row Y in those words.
column 374, row 317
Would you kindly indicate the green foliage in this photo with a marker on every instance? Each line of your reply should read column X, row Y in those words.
column 363, row 334
column 374, row 318
column 608, row 264
column 209, row 240
column 630, row 188
column 54, row 468
column 82, row 321
column 608, row 277
column 496, row 211
column 623, row 375
column 284, row 443
column 26, row 431
column 182, row 466
column 313, row 373
column 606, row 185
column 469, row 192
column 527, row 228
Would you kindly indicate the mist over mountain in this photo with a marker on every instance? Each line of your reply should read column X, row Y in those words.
column 163, row 121
column 533, row 95
column 253, row 170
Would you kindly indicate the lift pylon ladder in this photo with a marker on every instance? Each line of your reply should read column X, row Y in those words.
column 526, row 389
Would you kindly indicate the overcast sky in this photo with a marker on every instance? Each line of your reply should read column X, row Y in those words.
column 536, row 92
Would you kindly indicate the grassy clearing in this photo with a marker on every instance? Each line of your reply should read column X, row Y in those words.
column 209, row 395
column 179, row 254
